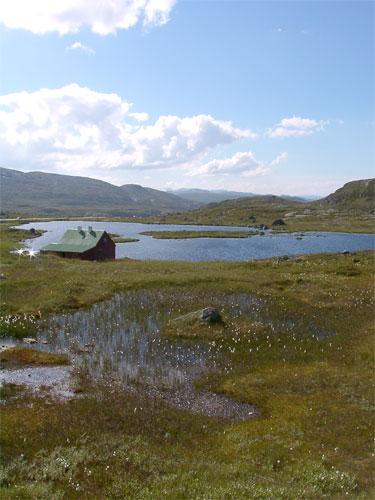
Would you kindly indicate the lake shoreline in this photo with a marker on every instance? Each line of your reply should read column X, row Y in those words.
column 323, row 228
column 207, row 243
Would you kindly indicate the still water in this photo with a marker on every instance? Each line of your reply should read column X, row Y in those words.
column 120, row 343
column 207, row 249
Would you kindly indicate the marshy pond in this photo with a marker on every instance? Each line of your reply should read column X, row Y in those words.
column 121, row 344
column 271, row 244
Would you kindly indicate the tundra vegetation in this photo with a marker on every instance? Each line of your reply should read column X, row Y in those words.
column 349, row 209
column 298, row 216
column 18, row 356
column 313, row 438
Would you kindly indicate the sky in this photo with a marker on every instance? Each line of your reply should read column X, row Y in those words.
column 253, row 96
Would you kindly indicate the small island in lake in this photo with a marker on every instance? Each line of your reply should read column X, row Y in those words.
column 179, row 235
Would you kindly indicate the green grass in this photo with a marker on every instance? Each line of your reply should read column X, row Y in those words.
column 298, row 216
column 312, row 440
column 178, row 235
column 119, row 239
column 20, row 356
column 125, row 240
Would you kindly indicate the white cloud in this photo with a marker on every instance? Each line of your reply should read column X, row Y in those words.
column 296, row 127
column 241, row 163
column 139, row 117
column 279, row 159
column 75, row 129
column 81, row 48
column 69, row 16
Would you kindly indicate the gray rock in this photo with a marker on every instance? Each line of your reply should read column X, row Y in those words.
column 211, row 315
column 29, row 340
column 207, row 315
column 279, row 222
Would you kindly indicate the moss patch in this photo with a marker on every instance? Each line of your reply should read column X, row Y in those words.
column 19, row 356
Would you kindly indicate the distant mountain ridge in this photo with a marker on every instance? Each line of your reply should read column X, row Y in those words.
column 206, row 196
column 42, row 193
column 39, row 193
column 354, row 199
column 209, row 196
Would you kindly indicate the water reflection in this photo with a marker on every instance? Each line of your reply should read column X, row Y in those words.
column 119, row 342
column 121, row 338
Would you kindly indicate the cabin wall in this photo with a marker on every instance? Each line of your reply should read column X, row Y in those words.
column 104, row 250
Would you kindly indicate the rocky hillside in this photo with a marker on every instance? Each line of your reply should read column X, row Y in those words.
column 355, row 195
column 350, row 208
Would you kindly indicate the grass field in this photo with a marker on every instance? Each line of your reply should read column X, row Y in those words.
column 314, row 436
column 265, row 210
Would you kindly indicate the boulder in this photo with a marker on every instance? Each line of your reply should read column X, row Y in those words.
column 279, row 222
column 208, row 315
column 29, row 340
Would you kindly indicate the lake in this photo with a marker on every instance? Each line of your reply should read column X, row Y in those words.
column 272, row 244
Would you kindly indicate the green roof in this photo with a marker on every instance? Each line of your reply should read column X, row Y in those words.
column 75, row 240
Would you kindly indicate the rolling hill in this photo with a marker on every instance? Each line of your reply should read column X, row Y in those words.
column 350, row 208
column 355, row 195
column 206, row 196
column 40, row 193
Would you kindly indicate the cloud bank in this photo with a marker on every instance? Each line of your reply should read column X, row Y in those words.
column 241, row 163
column 69, row 16
column 75, row 129
column 296, row 127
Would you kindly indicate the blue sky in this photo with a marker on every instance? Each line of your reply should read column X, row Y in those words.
column 294, row 79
